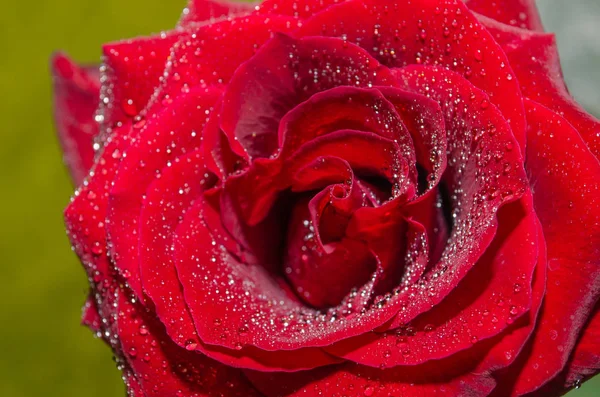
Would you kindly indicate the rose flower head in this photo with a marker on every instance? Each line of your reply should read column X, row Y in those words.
column 337, row 198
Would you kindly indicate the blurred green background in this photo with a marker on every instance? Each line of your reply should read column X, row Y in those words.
column 43, row 349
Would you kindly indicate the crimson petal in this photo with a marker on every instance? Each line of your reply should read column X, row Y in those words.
column 208, row 10
column 299, row 9
column 213, row 276
column 171, row 371
column 492, row 296
column 536, row 63
column 131, row 70
column 353, row 380
column 433, row 33
column 320, row 263
column 166, row 200
column 520, row 13
column 352, row 108
column 286, row 72
column 586, row 360
column 86, row 214
column 424, row 120
column 172, row 132
column 76, row 99
column 564, row 178
column 209, row 54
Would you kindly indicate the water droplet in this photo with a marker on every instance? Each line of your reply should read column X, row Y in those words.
column 190, row 345
column 129, row 107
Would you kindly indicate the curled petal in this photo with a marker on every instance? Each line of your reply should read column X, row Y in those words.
column 494, row 294
column 286, row 72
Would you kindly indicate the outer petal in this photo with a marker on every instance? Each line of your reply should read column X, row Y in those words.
column 352, row 380
column 91, row 318
column 167, row 200
column 169, row 134
column 131, row 70
column 586, row 357
column 76, row 99
column 564, row 177
column 209, row 10
column 209, row 54
column 534, row 57
column 300, row 9
column 521, row 13
column 164, row 369
column 86, row 214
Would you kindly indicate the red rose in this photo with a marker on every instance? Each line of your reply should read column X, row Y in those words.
column 369, row 198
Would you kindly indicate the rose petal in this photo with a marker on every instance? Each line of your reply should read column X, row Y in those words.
column 585, row 361
column 164, row 137
column 323, row 272
column 209, row 54
column 481, row 145
column 86, row 214
column 169, row 370
column 536, row 63
column 299, row 9
column 220, row 157
column 286, row 72
column 492, row 296
column 353, row 380
column 431, row 33
column 91, row 318
column 424, row 120
column 130, row 73
column 468, row 373
column 166, row 200
column 564, row 178
column 209, row 10
column 216, row 320
column 76, row 98
column 255, row 191
column 521, row 13
column 351, row 108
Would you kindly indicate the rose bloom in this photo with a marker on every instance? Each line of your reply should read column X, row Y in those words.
column 321, row 198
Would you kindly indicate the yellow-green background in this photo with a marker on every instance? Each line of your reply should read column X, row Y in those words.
column 43, row 349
